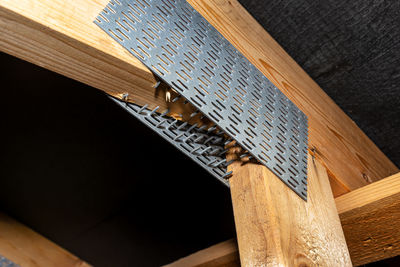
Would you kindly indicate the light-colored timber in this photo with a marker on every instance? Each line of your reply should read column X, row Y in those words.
column 227, row 249
column 275, row 227
column 27, row 248
column 220, row 255
column 60, row 36
column 370, row 219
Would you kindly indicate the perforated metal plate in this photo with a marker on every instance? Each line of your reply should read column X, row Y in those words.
column 184, row 50
column 199, row 144
column 4, row 262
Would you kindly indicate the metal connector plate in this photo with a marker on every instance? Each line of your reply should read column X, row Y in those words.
column 185, row 51
column 205, row 148
column 4, row 262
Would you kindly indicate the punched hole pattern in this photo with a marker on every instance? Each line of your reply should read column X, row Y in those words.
column 185, row 51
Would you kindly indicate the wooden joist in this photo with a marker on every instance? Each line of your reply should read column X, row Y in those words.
column 370, row 217
column 59, row 35
column 27, row 248
column 222, row 254
column 207, row 257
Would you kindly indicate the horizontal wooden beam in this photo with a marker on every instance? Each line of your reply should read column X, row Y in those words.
column 27, row 248
column 221, row 254
column 61, row 36
column 351, row 158
column 370, row 217
column 214, row 254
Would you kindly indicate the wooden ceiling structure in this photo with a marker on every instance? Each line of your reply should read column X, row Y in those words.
column 352, row 215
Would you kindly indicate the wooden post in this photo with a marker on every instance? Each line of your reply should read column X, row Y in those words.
column 275, row 227
column 370, row 217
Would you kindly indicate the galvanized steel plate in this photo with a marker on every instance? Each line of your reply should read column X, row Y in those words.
column 205, row 148
column 4, row 262
column 184, row 50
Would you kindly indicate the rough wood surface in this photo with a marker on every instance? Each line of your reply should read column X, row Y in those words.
column 60, row 35
column 26, row 248
column 275, row 227
column 370, row 218
column 221, row 254
column 345, row 150
column 351, row 50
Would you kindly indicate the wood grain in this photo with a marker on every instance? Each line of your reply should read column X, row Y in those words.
column 81, row 51
column 26, row 248
column 370, row 218
column 275, row 227
column 344, row 149
column 221, row 254
column 61, row 36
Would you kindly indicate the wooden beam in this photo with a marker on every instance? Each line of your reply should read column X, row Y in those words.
column 275, row 227
column 227, row 249
column 221, row 254
column 59, row 35
column 352, row 159
column 370, row 218
column 27, row 248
